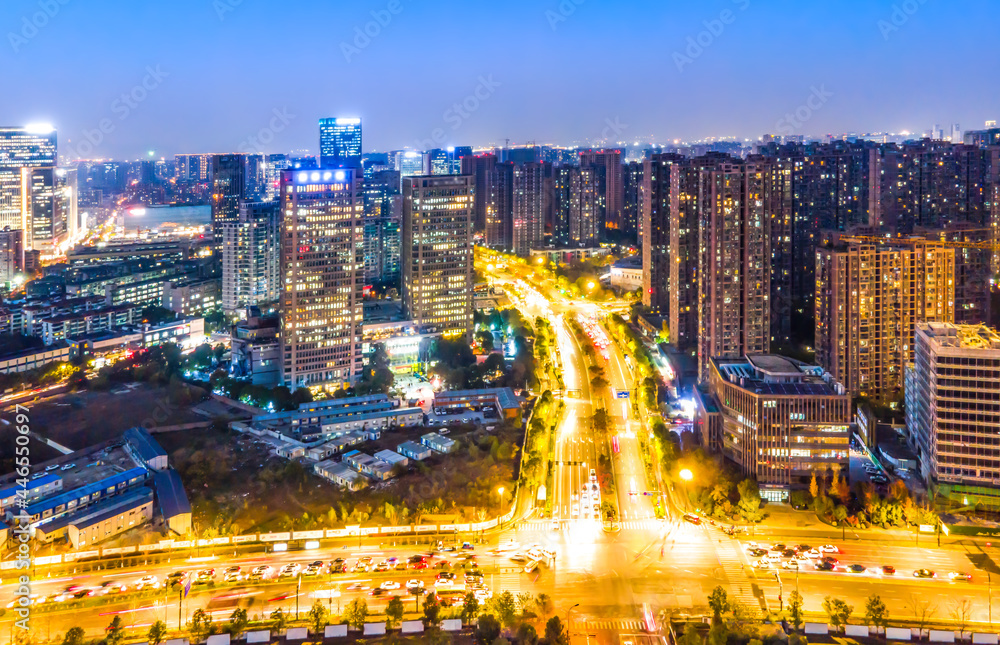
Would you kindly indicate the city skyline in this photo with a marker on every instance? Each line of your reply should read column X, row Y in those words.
column 167, row 100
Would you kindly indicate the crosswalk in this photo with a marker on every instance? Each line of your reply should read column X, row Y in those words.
column 733, row 566
column 641, row 525
column 536, row 526
column 616, row 624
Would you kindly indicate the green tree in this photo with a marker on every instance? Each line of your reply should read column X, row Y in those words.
column 470, row 607
column 357, row 613
column 504, row 607
column 487, row 629
column 795, row 608
column 876, row 612
column 544, row 604
column 838, row 611
column 718, row 602
column 318, row 617
column 749, row 504
column 201, row 624
column 74, row 636
column 157, row 632
column 555, row 634
column 526, row 634
column 840, row 514
column 278, row 620
column 432, row 610
column 394, row 612
column 115, row 631
column 238, row 622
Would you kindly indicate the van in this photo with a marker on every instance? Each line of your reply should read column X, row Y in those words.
column 691, row 517
column 531, row 566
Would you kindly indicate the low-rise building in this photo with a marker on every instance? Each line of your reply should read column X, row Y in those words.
column 32, row 359
column 339, row 474
column 192, row 297
column 500, row 400
column 626, row 273
column 256, row 349
column 368, row 465
column 391, row 458
column 438, row 442
column 413, row 450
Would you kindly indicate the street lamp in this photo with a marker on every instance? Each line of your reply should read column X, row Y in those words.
column 686, row 474
column 500, row 494
column 569, row 623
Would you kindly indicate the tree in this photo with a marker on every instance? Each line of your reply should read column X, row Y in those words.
column 238, row 622
column 488, row 629
column 318, row 617
column 876, row 612
column 504, row 606
column 554, row 632
column 544, row 604
column 278, row 619
column 718, row 601
column 838, row 611
column 432, row 610
column 116, row 631
column 357, row 613
column 961, row 613
column 157, row 632
column 749, row 505
column 394, row 612
column 923, row 612
column 526, row 634
column 201, row 624
column 840, row 514
column 75, row 636
column 795, row 608
column 470, row 607
column 526, row 601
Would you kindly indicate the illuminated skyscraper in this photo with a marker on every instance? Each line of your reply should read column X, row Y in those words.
column 251, row 254
column 437, row 252
column 229, row 189
column 340, row 142
column 29, row 185
column 323, row 268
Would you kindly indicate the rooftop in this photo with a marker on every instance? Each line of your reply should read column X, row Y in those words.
column 170, row 492
column 775, row 375
column 962, row 336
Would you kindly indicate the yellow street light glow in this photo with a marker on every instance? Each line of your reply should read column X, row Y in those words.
column 686, row 474
column 591, row 285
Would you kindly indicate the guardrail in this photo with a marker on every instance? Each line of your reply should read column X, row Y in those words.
column 266, row 538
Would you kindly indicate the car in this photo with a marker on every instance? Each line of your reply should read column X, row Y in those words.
column 448, row 549
column 290, row 570
column 51, row 468
column 204, row 576
column 801, row 558
column 412, row 585
column 788, row 553
column 482, row 595
column 593, row 475
column 232, row 574
column 176, row 578
column 519, row 557
column 772, row 557
column 801, row 548
column 832, row 560
column 856, row 568
column 389, row 585
column 924, row 573
column 829, row 548
column 418, row 565
column 444, row 431
column 382, row 566
column 445, row 575
column 813, row 553
column 68, row 466
column 147, row 582
column 357, row 586
column 790, row 564
column 314, row 569
column 692, row 518
column 757, row 552
column 112, row 587
column 261, row 572
column 959, row 575
column 401, row 566
column 823, row 565
column 888, row 570
column 762, row 564
column 779, row 547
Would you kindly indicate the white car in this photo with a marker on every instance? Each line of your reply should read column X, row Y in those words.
column 290, row 570
column 829, row 548
column 389, row 585
column 412, row 585
column 790, row 564
column 813, row 553
column 762, row 564
column 262, row 572
column 147, row 581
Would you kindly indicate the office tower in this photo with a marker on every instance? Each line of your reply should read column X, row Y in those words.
column 562, row 180
column 456, row 155
column 340, row 142
column 27, row 147
column 989, row 136
column 28, row 157
column 585, row 205
column 500, row 212
column 607, row 166
column 196, row 168
column 409, row 162
column 11, row 254
column 437, row 252
column 251, row 254
column 273, row 165
column 383, row 212
column 229, row 189
column 480, row 167
column 632, row 202
column 49, row 206
column 323, row 276
column 374, row 161
column 779, row 420
column 953, row 408
column 67, row 202
column 868, row 300
column 437, row 162
column 528, row 216
column 734, row 263
column 256, row 178
column 522, row 155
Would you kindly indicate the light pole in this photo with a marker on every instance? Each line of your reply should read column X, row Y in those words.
column 569, row 623
column 500, row 495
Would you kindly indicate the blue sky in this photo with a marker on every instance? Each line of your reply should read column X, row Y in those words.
column 217, row 72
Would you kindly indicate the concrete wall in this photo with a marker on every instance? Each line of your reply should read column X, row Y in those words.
column 856, row 630
column 374, row 629
column 261, row 636
column 455, row 624
column 898, row 633
column 942, row 636
column 984, row 639
column 218, row 639
column 335, row 631
column 296, row 634
column 411, row 626
column 817, row 628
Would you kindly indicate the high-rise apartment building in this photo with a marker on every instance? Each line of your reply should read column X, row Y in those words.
column 734, row 263
column 868, row 300
column 340, row 142
column 251, row 257
column 228, row 174
column 500, row 211
column 779, row 420
column 480, row 167
column 322, row 265
column 953, row 409
column 273, row 165
column 585, row 211
column 632, row 201
column 607, row 173
column 437, row 252
column 528, row 216
column 193, row 168
column 383, row 212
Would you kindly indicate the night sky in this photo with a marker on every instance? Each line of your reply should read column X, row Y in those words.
column 219, row 72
